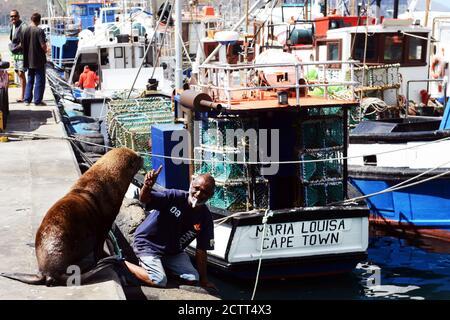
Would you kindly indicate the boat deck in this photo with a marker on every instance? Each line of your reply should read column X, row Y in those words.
column 271, row 102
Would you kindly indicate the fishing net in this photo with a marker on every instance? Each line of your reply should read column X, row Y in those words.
column 129, row 122
column 221, row 164
column 321, row 173
column 240, row 195
column 322, row 194
column 321, row 170
column 322, row 133
column 223, row 152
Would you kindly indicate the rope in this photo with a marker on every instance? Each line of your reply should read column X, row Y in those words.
column 44, row 136
column 414, row 35
column 220, row 221
column 267, row 214
column 376, row 104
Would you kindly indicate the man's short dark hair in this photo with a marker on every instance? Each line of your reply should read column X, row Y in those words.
column 15, row 12
column 36, row 18
column 208, row 179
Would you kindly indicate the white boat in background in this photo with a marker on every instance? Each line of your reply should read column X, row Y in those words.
column 121, row 52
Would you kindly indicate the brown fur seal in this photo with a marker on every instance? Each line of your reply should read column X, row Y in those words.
column 75, row 228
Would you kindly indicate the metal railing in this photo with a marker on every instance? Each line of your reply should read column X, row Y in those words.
column 219, row 76
column 424, row 81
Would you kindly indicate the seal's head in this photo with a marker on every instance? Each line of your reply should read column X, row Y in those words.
column 130, row 160
column 201, row 190
column 121, row 162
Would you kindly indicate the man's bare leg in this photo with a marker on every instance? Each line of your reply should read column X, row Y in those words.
column 140, row 273
column 23, row 82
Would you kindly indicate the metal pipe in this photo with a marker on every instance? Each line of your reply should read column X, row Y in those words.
column 211, row 105
column 323, row 84
column 268, row 65
column 198, row 101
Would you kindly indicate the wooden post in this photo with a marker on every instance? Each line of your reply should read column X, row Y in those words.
column 427, row 11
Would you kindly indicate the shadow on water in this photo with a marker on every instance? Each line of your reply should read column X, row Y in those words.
column 347, row 286
column 397, row 268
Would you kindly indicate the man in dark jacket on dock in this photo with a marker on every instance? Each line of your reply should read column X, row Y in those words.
column 177, row 218
column 34, row 58
column 16, row 48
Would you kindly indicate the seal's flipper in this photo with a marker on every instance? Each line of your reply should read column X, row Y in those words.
column 25, row 278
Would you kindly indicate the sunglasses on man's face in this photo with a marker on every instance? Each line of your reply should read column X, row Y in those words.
column 13, row 17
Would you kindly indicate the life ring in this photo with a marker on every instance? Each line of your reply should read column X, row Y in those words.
column 437, row 67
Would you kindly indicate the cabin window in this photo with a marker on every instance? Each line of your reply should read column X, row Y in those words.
column 415, row 49
column 140, row 52
column 118, row 52
column 393, row 48
column 80, row 11
column 372, row 47
column 333, row 51
column 104, row 57
column 330, row 50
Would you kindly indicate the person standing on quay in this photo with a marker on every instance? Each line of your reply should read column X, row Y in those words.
column 34, row 58
column 15, row 46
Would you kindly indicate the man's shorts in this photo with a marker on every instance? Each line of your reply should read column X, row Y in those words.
column 179, row 265
column 18, row 66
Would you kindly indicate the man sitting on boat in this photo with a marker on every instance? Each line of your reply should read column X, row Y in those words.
column 88, row 82
column 177, row 218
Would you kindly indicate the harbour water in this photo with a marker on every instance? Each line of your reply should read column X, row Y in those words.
column 397, row 267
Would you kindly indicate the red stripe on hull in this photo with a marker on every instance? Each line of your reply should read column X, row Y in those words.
column 411, row 228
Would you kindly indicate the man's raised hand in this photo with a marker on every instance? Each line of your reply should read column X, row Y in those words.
column 151, row 176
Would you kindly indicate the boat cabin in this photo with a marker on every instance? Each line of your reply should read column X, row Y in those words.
column 64, row 31
column 84, row 13
column 113, row 56
column 394, row 42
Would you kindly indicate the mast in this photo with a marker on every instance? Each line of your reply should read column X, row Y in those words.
column 154, row 9
column 427, row 12
column 178, row 47
column 353, row 7
column 378, row 10
column 253, row 7
column 395, row 9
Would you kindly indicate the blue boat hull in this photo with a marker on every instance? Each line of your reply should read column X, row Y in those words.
column 423, row 208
